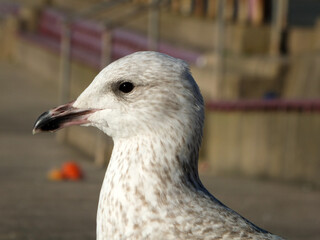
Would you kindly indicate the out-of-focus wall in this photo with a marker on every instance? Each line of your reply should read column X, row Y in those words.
column 275, row 144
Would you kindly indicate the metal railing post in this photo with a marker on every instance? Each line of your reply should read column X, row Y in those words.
column 219, row 49
column 153, row 25
column 279, row 14
column 65, row 70
column 106, row 48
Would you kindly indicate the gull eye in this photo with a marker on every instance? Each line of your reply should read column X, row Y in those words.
column 126, row 87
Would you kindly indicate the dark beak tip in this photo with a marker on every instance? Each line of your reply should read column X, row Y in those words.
column 35, row 128
column 60, row 117
column 44, row 123
column 35, row 131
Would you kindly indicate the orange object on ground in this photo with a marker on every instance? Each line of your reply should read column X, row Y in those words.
column 55, row 175
column 72, row 171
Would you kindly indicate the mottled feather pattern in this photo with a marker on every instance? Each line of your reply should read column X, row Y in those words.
column 152, row 189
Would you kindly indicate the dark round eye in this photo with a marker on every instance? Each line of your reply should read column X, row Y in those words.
column 126, row 87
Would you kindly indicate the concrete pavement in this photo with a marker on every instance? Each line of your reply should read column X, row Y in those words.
column 31, row 207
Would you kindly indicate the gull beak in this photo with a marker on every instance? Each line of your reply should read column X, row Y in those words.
column 60, row 117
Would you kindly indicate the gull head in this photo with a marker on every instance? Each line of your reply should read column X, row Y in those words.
column 142, row 93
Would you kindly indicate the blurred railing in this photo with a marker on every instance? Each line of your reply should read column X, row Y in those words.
column 269, row 138
column 243, row 11
column 260, row 138
column 266, row 105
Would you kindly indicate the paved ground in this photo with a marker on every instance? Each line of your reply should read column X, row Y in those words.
column 34, row 208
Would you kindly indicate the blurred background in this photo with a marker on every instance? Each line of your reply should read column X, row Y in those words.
column 257, row 63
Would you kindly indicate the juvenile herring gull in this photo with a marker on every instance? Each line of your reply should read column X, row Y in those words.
column 151, row 106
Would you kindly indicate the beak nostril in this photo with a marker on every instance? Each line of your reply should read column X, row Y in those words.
column 64, row 107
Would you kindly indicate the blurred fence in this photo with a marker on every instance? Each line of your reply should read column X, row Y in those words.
column 271, row 138
column 243, row 11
